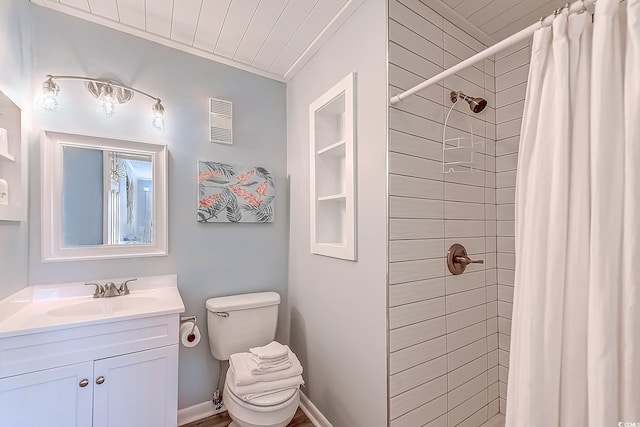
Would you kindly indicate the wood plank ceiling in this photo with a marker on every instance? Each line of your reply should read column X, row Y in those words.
column 273, row 38
column 263, row 36
column 502, row 18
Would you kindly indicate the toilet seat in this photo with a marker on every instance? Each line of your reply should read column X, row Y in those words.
column 268, row 400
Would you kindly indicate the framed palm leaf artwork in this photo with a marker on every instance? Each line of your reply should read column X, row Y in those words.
column 233, row 193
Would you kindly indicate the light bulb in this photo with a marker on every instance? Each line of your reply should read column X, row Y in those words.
column 49, row 99
column 158, row 116
column 107, row 100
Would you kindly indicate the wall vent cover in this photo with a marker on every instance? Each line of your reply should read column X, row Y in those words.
column 220, row 121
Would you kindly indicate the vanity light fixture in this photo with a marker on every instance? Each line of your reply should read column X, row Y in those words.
column 109, row 93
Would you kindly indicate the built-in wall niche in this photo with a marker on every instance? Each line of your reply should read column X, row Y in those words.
column 13, row 162
column 332, row 140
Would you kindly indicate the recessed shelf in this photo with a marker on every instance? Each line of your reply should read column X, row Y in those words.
column 332, row 197
column 332, row 138
column 336, row 149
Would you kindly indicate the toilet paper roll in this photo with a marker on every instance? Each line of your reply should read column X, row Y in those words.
column 187, row 338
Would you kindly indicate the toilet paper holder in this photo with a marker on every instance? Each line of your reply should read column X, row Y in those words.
column 193, row 319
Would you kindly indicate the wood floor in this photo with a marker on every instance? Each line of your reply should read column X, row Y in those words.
column 223, row 420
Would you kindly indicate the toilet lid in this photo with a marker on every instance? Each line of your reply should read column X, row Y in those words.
column 270, row 399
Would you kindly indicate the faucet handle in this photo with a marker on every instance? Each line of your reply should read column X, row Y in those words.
column 99, row 293
column 124, row 289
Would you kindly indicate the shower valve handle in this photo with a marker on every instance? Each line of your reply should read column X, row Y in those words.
column 466, row 260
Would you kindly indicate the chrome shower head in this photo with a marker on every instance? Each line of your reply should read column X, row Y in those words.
column 476, row 104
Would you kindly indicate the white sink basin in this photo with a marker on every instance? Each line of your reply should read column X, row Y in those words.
column 101, row 306
column 42, row 308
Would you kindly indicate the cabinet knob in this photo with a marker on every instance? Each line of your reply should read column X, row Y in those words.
column 84, row 382
column 100, row 380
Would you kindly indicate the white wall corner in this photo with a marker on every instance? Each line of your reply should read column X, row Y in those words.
column 314, row 415
column 197, row 412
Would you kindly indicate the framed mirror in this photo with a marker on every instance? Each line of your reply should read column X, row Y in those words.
column 102, row 198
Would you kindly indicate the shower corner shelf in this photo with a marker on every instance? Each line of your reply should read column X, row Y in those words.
column 13, row 162
column 332, row 171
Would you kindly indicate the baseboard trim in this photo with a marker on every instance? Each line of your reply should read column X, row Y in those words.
column 310, row 410
column 197, row 412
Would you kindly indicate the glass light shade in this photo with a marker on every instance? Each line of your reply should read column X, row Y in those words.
column 158, row 116
column 49, row 97
column 108, row 100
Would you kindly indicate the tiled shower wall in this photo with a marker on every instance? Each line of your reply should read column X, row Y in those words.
column 443, row 329
column 512, row 69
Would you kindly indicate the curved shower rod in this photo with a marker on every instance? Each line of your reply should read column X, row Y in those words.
column 577, row 7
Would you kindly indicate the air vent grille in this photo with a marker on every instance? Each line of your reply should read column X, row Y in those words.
column 220, row 121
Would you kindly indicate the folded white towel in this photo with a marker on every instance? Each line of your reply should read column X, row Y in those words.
column 273, row 350
column 243, row 367
column 263, row 368
column 262, row 388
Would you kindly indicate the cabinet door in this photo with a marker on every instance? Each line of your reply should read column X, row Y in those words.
column 55, row 397
column 139, row 389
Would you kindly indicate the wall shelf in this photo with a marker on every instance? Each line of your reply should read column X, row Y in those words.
column 13, row 162
column 332, row 181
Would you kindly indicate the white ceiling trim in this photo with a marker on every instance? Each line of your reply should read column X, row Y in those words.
column 460, row 21
column 324, row 35
column 154, row 38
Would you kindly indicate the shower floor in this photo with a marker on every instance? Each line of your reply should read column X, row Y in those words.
column 497, row 421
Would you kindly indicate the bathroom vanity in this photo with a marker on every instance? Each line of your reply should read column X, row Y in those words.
column 69, row 359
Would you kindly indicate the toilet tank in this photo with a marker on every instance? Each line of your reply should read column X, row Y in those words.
column 239, row 322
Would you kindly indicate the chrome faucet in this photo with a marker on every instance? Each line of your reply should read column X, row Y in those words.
column 110, row 289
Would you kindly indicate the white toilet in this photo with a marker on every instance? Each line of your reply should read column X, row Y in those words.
column 237, row 323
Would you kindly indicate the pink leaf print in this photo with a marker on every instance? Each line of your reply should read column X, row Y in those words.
column 242, row 179
column 203, row 176
column 262, row 189
column 252, row 199
column 207, row 202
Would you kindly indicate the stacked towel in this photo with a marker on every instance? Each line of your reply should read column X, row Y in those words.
column 264, row 370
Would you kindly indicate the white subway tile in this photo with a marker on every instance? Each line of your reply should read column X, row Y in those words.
column 510, row 95
column 466, row 354
column 411, row 271
column 467, row 390
column 400, row 185
column 407, row 207
column 513, row 61
column 418, row 167
column 463, row 318
column 431, row 411
column 504, row 342
column 405, row 79
column 405, row 143
column 464, row 282
column 505, row 309
column 416, row 397
column 461, row 210
column 415, row 334
column 463, row 193
column 492, row 360
column 409, row 250
column 507, row 146
column 493, row 408
column 467, row 371
column 465, row 300
column 417, row 376
column 419, row 311
column 503, row 357
column 505, row 293
column 466, row 336
column 466, row 409
column 426, row 12
column 509, row 112
column 415, row 228
column 417, row 354
column 504, row 326
column 512, row 78
column 492, row 342
column 406, row 293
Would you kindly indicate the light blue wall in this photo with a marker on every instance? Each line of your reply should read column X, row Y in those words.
column 210, row 259
column 15, row 78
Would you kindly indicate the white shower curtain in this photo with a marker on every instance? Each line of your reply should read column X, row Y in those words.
column 575, row 341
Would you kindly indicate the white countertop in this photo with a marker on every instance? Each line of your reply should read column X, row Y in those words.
column 51, row 307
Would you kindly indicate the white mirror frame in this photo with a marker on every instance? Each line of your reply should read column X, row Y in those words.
column 51, row 190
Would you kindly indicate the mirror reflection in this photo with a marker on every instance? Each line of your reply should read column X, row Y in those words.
column 107, row 197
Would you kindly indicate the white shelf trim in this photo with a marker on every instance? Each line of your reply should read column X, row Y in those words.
column 341, row 196
column 7, row 156
column 332, row 147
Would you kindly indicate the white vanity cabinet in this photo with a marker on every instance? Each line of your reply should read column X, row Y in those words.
column 116, row 374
